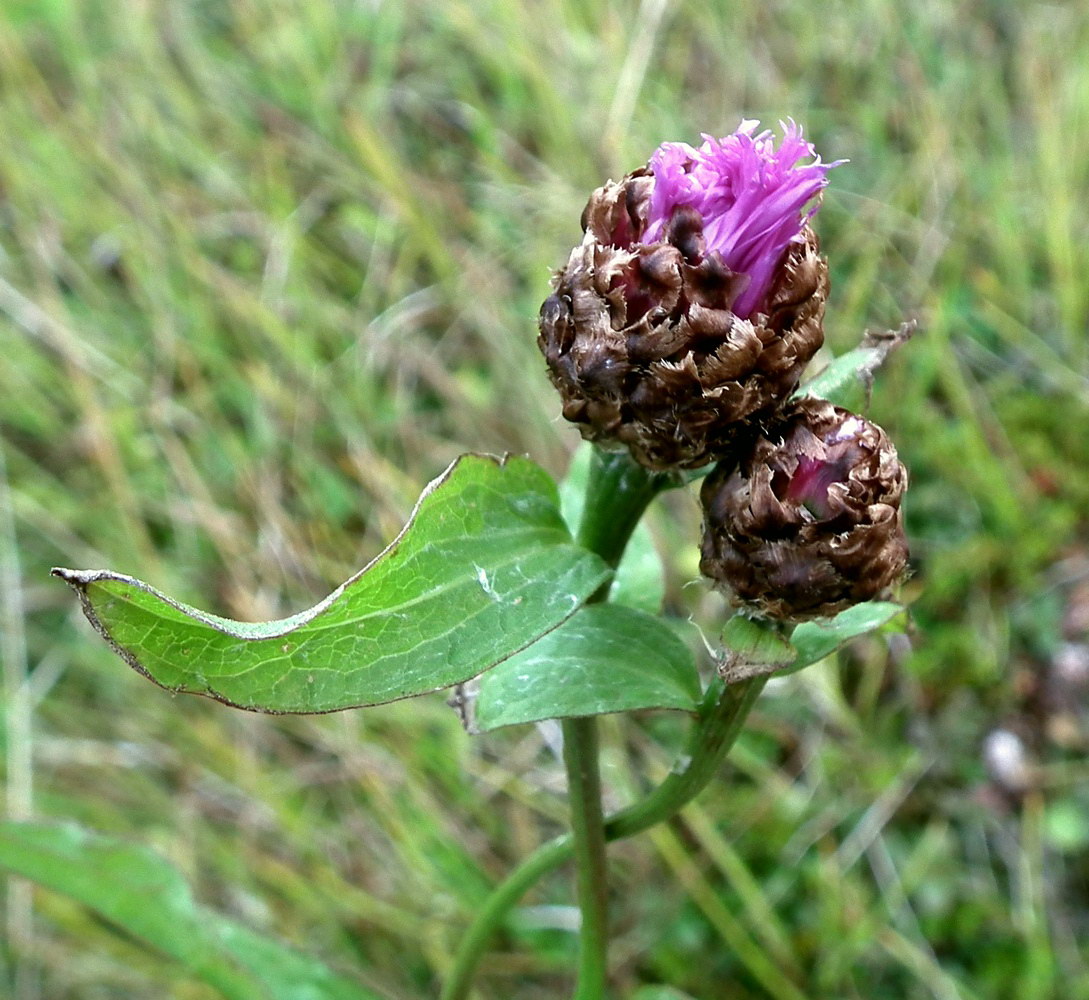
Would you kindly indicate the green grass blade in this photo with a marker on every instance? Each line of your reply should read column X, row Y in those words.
column 141, row 893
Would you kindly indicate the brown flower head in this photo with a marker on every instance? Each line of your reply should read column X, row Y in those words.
column 695, row 299
column 809, row 522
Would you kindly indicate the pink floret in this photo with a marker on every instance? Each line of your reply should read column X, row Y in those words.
column 752, row 198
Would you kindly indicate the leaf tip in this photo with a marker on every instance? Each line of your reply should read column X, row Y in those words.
column 77, row 579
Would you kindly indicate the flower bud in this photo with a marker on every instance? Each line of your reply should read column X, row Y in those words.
column 695, row 299
column 809, row 522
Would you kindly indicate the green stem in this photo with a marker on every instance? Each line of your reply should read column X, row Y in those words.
column 721, row 718
column 724, row 711
column 617, row 495
column 618, row 491
column 546, row 858
column 580, row 756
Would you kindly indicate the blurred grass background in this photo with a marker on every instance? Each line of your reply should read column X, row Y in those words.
column 266, row 266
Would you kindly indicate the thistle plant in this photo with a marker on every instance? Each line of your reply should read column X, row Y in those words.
column 677, row 335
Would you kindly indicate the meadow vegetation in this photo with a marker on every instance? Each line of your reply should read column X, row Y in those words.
column 267, row 266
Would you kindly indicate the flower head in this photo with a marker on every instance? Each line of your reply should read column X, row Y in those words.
column 750, row 196
column 695, row 299
column 809, row 522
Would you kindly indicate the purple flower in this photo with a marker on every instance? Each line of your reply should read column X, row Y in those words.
column 750, row 195
column 686, row 315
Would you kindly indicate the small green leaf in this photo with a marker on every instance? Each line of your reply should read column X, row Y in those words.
column 605, row 658
column 640, row 577
column 846, row 381
column 484, row 567
column 757, row 641
column 816, row 640
column 839, row 382
column 760, row 646
column 142, row 894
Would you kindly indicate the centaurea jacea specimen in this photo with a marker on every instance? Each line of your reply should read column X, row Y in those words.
column 678, row 330
column 695, row 299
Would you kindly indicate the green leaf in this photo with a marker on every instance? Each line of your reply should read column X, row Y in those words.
column 818, row 639
column 840, row 381
column 640, row 577
column 761, row 646
column 606, row 658
column 846, row 381
column 484, row 567
column 142, row 894
column 757, row 641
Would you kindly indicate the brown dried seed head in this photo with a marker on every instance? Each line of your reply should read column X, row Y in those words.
column 642, row 342
column 809, row 522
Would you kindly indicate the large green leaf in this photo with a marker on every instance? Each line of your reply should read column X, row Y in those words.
column 606, row 658
column 640, row 577
column 483, row 568
column 142, row 894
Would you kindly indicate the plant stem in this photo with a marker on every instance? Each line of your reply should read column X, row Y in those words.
column 580, row 756
column 618, row 491
column 617, row 495
column 723, row 714
column 546, row 858
column 724, row 711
